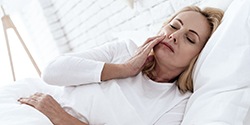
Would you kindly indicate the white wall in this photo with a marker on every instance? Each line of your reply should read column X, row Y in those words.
column 28, row 17
column 82, row 24
column 60, row 26
column 40, row 34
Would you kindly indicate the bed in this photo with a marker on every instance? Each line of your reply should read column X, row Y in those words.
column 12, row 113
column 221, row 76
column 78, row 101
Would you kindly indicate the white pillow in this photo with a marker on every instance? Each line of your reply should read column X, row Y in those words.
column 222, row 72
column 247, row 118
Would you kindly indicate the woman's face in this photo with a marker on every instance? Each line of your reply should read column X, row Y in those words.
column 185, row 37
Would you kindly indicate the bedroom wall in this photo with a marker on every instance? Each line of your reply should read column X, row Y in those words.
column 78, row 24
column 55, row 27
column 61, row 26
column 41, row 43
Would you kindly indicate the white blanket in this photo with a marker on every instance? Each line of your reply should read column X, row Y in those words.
column 13, row 113
column 92, row 101
column 102, row 104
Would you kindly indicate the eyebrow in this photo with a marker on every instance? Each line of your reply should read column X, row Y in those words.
column 189, row 29
column 180, row 21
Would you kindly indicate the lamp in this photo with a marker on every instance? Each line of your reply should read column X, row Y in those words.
column 8, row 24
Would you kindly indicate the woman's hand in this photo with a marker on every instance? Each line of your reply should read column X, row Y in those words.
column 51, row 108
column 141, row 57
column 134, row 65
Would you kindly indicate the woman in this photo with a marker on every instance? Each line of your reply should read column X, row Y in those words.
column 155, row 78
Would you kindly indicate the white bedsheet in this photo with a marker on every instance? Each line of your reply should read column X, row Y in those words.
column 91, row 101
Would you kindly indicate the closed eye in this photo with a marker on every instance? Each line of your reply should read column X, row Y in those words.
column 172, row 26
column 190, row 40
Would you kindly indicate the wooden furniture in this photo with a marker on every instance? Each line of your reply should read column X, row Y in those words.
column 8, row 24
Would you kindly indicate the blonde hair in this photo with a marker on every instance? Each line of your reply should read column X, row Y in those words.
column 184, row 80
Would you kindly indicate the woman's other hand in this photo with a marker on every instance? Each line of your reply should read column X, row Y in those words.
column 51, row 108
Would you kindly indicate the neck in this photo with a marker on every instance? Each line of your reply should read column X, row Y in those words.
column 160, row 74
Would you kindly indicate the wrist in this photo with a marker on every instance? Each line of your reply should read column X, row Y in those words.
column 116, row 71
column 129, row 70
column 67, row 119
column 63, row 119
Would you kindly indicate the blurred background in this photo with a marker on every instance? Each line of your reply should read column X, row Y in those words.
column 53, row 27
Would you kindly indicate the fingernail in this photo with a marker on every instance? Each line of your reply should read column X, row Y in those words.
column 19, row 99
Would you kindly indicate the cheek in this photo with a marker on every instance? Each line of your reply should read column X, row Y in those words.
column 186, row 55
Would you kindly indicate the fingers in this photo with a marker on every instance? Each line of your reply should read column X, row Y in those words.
column 136, row 62
column 45, row 104
column 149, row 40
column 39, row 94
column 33, row 100
column 144, row 50
column 152, row 38
column 149, row 46
column 29, row 101
column 155, row 41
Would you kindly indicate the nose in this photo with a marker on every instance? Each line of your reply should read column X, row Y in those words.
column 178, row 36
column 172, row 38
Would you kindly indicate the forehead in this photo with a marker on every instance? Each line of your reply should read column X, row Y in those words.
column 195, row 21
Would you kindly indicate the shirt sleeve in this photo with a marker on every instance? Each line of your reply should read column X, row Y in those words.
column 84, row 67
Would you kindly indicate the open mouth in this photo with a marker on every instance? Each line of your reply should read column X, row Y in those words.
column 169, row 46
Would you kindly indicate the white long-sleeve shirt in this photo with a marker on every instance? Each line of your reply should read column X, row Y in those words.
column 156, row 103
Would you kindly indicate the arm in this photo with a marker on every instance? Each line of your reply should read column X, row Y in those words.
column 67, row 119
column 134, row 65
column 83, row 67
column 99, row 64
column 51, row 108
